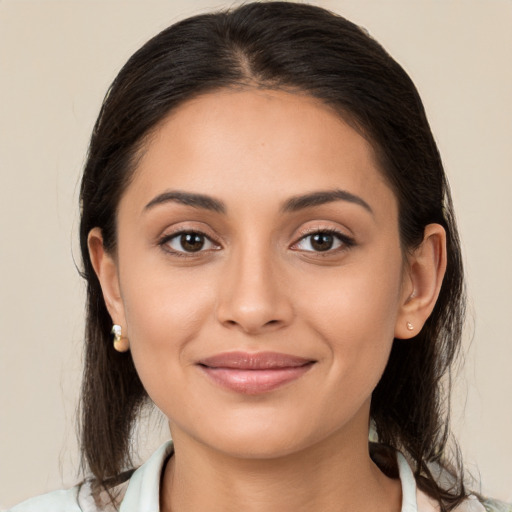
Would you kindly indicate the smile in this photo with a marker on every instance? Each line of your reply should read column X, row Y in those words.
column 254, row 373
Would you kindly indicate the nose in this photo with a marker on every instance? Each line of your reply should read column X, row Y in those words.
column 253, row 294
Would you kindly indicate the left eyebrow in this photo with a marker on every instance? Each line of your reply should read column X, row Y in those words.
column 323, row 197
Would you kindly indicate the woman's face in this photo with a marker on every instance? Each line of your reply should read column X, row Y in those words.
column 259, row 276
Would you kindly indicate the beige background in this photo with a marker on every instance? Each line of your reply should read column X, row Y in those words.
column 56, row 61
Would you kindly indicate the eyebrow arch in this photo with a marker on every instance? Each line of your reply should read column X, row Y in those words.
column 322, row 197
column 188, row 199
column 291, row 205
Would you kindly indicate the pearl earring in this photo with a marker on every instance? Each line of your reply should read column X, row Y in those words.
column 410, row 327
column 121, row 343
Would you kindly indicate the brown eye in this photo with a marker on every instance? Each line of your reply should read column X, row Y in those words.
column 322, row 241
column 192, row 242
column 189, row 242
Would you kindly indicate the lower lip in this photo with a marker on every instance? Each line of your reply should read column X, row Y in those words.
column 254, row 382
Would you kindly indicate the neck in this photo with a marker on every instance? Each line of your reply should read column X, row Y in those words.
column 330, row 476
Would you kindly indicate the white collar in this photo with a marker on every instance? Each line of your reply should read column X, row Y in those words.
column 143, row 493
column 408, row 482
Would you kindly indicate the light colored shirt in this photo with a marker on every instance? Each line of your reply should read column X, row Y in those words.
column 141, row 493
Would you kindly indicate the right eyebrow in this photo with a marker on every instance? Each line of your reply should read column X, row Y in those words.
column 187, row 198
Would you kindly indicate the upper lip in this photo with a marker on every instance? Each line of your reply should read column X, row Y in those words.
column 254, row 361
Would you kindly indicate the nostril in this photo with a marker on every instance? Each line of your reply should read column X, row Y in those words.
column 252, row 311
column 253, row 327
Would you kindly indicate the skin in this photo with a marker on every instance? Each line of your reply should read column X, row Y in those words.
column 258, row 285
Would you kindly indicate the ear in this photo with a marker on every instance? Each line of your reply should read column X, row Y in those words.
column 423, row 278
column 106, row 270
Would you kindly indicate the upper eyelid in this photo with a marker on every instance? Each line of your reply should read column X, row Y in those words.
column 315, row 230
column 172, row 231
column 323, row 229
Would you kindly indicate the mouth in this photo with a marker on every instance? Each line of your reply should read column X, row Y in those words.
column 254, row 373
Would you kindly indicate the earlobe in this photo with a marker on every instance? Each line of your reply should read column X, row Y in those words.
column 422, row 282
column 106, row 270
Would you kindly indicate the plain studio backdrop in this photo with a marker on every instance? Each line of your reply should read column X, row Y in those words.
column 57, row 59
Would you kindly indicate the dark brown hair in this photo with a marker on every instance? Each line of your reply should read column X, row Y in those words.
column 294, row 47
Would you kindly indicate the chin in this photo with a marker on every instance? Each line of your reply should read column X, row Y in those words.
column 259, row 446
column 273, row 435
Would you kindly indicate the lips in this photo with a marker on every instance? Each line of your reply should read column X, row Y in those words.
column 254, row 373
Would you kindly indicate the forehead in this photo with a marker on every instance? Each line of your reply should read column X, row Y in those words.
column 239, row 144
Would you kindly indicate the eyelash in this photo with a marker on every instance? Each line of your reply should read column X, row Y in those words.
column 346, row 242
column 164, row 243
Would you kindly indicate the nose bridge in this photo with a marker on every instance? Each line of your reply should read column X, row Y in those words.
column 253, row 296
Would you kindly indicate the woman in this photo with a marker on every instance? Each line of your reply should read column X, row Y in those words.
column 268, row 233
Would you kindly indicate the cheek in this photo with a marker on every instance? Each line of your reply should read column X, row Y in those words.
column 164, row 310
column 354, row 310
column 362, row 296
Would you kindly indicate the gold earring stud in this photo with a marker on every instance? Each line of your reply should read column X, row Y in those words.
column 121, row 343
column 410, row 327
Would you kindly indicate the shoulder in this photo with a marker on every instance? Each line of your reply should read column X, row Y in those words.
column 85, row 497
column 416, row 500
column 134, row 489
column 57, row 501
column 471, row 504
column 491, row 505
